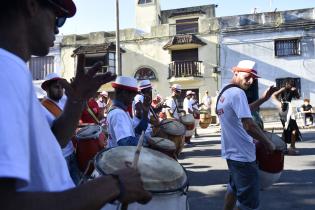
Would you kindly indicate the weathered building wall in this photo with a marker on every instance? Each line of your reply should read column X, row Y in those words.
column 253, row 37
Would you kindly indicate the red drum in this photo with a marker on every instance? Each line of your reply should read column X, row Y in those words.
column 162, row 145
column 189, row 121
column 271, row 165
column 90, row 140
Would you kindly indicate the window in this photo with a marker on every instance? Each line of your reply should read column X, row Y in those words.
column 145, row 73
column 287, row 47
column 108, row 59
column 186, row 26
column 280, row 82
column 41, row 66
column 144, row 1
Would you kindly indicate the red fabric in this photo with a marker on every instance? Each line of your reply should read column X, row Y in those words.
column 129, row 110
column 86, row 117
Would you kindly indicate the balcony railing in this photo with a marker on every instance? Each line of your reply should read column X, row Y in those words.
column 185, row 69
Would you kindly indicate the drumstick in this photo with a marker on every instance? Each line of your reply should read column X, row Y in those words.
column 138, row 150
column 135, row 161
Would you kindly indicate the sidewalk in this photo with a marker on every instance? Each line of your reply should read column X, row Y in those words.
column 215, row 130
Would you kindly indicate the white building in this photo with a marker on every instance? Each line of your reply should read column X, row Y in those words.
column 282, row 44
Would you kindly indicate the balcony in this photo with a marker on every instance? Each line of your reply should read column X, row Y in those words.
column 184, row 69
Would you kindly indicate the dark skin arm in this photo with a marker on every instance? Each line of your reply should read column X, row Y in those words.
column 265, row 97
column 81, row 88
column 89, row 196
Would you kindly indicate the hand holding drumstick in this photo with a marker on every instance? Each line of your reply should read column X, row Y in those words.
column 147, row 195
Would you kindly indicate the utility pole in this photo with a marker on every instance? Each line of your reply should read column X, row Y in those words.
column 118, row 57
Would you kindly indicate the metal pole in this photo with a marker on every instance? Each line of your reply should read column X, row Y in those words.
column 118, row 59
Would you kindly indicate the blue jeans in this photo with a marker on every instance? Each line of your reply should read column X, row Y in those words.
column 244, row 183
column 73, row 168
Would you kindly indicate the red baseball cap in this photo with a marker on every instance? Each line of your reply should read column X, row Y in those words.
column 63, row 8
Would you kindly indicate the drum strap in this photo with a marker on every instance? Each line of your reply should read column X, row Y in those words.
column 53, row 108
column 222, row 91
column 90, row 111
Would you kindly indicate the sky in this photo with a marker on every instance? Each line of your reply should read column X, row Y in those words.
column 99, row 15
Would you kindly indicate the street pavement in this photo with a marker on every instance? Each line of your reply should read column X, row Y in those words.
column 208, row 175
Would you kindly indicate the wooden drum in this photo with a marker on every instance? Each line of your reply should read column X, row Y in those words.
column 205, row 119
column 173, row 130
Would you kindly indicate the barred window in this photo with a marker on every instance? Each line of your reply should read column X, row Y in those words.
column 145, row 73
column 144, row 1
column 41, row 66
column 186, row 26
column 287, row 47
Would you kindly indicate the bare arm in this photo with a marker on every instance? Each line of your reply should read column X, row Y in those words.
column 275, row 97
column 265, row 97
column 78, row 91
column 90, row 196
column 254, row 131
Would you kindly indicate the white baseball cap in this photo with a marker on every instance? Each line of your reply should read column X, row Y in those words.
column 247, row 66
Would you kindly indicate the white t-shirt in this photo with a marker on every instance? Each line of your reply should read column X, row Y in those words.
column 29, row 152
column 120, row 126
column 136, row 121
column 68, row 149
column 206, row 100
column 173, row 110
column 236, row 143
column 187, row 105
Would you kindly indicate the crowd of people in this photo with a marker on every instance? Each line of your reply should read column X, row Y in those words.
column 38, row 163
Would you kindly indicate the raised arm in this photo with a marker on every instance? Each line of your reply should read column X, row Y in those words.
column 81, row 88
column 265, row 97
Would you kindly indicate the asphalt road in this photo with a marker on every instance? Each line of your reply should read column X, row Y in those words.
column 208, row 175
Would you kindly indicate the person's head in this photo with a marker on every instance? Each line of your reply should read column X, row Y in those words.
column 176, row 90
column 289, row 83
column 125, row 89
column 38, row 20
column 194, row 95
column 244, row 74
column 145, row 87
column 206, row 92
column 103, row 95
column 189, row 94
column 306, row 101
column 158, row 98
column 53, row 87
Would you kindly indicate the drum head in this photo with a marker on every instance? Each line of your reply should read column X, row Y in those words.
column 89, row 132
column 159, row 173
column 280, row 144
column 162, row 143
column 173, row 127
column 187, row 119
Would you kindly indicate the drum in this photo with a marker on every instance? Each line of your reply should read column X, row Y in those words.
column 90, row 140
column 164, row 177
column 189, row 121
column 163, row 145
column 173, row 130
column 271, row 165
column 205, row 119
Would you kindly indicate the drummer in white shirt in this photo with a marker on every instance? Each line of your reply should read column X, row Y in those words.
column 144, row 96
column 173, row 110
column 121, row 131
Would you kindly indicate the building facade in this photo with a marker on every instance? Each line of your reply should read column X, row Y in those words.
column 167, row 47
column 282, row 44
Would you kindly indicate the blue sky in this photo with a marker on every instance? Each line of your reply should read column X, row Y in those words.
column 99, row 15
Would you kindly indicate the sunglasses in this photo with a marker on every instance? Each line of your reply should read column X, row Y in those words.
column 60, row 21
